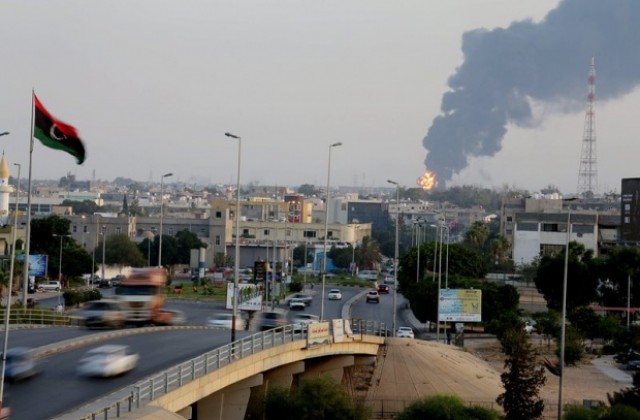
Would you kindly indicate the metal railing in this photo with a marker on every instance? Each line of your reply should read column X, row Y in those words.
column 38, row 317
column 172, row 378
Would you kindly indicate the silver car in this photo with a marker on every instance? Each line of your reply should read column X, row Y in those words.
column 21, row 364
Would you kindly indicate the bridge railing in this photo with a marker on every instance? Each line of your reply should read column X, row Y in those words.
column 163, row 382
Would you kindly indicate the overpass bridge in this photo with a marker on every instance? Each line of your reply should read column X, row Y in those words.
column 219, row 384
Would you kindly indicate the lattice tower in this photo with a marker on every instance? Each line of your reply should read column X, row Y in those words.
column 588, row 172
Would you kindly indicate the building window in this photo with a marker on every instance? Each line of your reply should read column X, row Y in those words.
column 266, row 232
column 85, row 229
column 118, row 229
column 309, row 234
column 509, row 232
column 217, row 239
column 218, row 215
column 509, row 219
column 75, row 228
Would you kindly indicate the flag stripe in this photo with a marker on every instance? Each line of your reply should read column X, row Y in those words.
column 56, row 134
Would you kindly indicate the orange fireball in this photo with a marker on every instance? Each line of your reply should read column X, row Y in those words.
column 427, row 181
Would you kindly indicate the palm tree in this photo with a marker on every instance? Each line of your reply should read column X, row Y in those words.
column 500, row 246
column 477, row 235
column 368, row 256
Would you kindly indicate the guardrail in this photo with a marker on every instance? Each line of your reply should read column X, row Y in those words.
column 39, row 317
column 174, row 377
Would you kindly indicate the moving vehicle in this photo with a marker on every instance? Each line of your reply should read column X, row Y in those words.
column 383, row 288
column 405, row 332
column 223, row 320
column 296, row 304
column 103, row 313
column 302, row 320
column 334, row 294
column 142, row 295
column 307, row 299
column 373, row 296
column 104, row 284
column 389, row 280
column 21, row 364
column 368, row 275
column 108, row 360
column 50, row 286
column 269, row 320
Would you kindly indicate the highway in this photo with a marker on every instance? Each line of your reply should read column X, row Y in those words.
column 58, row 389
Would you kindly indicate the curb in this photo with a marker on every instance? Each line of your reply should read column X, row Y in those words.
column 346, row 308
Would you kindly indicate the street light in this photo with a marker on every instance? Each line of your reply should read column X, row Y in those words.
column 161, row 215
column 6, row 133
column 104, row 241
column 353, row 254
column 395, row 259
column 8, row 307
column 326, row 229
column 564, row 309
column 236, row 264
column 418, row 243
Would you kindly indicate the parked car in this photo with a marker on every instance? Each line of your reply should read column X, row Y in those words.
column 383, row 288
column 108, row 360
column 103, row 313
column 269, row 320
column 633, row 365
column 105, row 284
column 334, row 294
column 296, row 304
column 405, row 332
column 224, row 319
column 21, row 364
column 307, row 299
column 373, row 296
column 51, row 286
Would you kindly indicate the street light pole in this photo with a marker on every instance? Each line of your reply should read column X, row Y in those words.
column 326, row 229
column 418, row 243
column 161, row 215
column 564, row 313
column 104, row 241
column 9, row 287
column 236, row 263
column 395, row 259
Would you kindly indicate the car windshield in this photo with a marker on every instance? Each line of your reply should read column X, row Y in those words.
column 137, row 290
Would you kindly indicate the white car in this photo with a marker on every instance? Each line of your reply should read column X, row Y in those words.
column 301, row 320
column 296, row 304
column 50, row 286
column 405, row 332
column 108, row 360
column 334, row 294
column 223, row 320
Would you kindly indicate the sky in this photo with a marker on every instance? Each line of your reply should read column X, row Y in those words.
column 153, row 85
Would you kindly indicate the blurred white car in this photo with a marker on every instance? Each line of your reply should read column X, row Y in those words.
column 296, row 304
column 20, row 364
column 108, row 360
column 224, row 319
column 334, row 294
column 301, row 320
column 405, row 332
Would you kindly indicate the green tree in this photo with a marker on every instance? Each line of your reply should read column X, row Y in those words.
column 314, row 399
column 310, row 190
column 186, row 241
column 341, row 257
column 369, row 256
column 120, row 250
column 522, row 378
column 477, row 235
column 547, row 324
column 445, row 407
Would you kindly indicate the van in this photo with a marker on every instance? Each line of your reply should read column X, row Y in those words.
column 368, row 275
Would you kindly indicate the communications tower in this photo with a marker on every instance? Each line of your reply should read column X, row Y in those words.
column 588, row 172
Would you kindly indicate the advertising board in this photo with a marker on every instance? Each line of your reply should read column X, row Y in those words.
column 461, row 305
column 317, row 334
column 249, row 297
column 338, row 330
column 37, row 264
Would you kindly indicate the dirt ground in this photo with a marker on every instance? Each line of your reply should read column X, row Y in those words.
column 585, row 381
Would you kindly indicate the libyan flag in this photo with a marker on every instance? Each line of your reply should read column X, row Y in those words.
column 56, row 134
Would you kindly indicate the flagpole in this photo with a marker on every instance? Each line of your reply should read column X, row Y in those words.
column 25, row 283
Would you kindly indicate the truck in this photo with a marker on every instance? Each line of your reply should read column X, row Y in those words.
column 142, row 296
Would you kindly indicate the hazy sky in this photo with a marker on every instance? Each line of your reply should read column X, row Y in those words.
column 152, row 86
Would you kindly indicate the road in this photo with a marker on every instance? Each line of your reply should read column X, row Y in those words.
column 158, row 350
column 58, row 389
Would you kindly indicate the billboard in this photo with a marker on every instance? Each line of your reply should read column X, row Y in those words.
column 37, row 264
column 460, row 305
column 338, row 330
column 250, row 297
column 630, row 210
column 317, row 333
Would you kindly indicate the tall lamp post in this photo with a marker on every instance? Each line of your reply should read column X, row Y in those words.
column 395, row 259
column 418, row 243
column 161, row 215
column 353, row 253
column 564, row 310
column 236, row 262
column 61, row 236
column 8, row 307
column 104, row 242
column 326, row 230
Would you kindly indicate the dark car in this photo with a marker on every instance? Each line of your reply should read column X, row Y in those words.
column 633, row 365
column 104, row 284
column 269, row 320
column 383, row 288
column 21, row 364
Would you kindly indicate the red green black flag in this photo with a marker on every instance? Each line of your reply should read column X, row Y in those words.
column 55, row 134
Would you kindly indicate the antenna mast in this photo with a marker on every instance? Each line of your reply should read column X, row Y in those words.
column 588, row 172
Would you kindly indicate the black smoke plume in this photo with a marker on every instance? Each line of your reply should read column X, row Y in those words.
column 504, row 70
